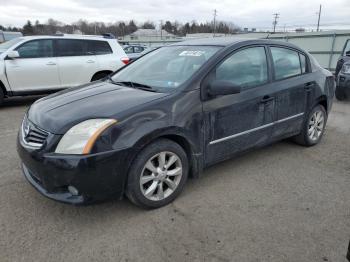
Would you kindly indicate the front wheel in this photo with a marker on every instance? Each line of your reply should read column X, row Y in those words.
column 340, row 94
column 158, row 174
column 313, row 127
column 1, row 96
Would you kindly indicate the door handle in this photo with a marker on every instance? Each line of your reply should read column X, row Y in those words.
column 51, row 63
column 90, row 61
column 266, row 99
column 308, row 86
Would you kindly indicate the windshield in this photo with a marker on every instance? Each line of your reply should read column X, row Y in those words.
column 166, row 68
column 6, row 45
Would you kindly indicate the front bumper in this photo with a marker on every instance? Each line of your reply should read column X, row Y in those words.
column 343, row 83
column 97, row 177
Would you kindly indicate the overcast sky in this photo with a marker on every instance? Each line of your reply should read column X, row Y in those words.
column 247, row 13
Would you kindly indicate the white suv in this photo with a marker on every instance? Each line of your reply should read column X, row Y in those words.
column 45, row 64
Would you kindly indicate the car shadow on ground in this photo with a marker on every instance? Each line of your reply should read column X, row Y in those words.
column 124, row 209
column 19, row 101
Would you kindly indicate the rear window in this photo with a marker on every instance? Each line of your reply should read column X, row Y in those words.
column 99, row 47
column 286, row 62
column 302, row 63
column 73, row 47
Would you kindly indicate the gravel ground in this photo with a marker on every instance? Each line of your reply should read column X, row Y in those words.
column 280, row 203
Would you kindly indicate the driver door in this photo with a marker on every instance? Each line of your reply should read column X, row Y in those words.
column 240, row 121
column 344, row 57
column 35, row 69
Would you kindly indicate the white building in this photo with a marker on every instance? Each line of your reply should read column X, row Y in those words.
column 149, row 35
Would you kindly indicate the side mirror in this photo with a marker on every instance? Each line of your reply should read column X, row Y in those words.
column 347, row 53
column 218, row 87
column 13, row 54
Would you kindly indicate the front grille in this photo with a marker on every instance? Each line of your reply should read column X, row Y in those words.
column 32, row 135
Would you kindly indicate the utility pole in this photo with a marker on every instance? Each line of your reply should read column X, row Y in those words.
column 274, row 23
column 215, row 15
column 161, row 30
column 319, row 18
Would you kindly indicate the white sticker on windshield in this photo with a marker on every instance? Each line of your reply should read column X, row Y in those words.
column 192, row 53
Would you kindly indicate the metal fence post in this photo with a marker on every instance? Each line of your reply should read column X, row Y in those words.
column 332, row 52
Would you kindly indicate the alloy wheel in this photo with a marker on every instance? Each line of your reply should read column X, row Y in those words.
column 161, row 175
column 316, row 125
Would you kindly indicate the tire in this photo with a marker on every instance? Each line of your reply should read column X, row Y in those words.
column 148, row 193
column 99, row 76
column 307, row 137
column 339, row 94
column 1, row 96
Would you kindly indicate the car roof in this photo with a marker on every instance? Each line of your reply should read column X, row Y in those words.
column 230, row 41
column 67, row 36
column 135, row 45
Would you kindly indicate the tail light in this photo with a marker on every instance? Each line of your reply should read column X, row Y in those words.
column 125, row 60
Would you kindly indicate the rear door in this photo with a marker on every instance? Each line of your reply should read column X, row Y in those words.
column 36, row 69
column 107, row 61
column 76, row 63
column 293, row 86
column 239, row 121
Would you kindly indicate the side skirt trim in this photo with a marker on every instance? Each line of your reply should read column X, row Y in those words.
column 255, row 129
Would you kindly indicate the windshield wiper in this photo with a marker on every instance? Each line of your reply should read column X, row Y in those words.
column 135, row 85
column 109, row 77
column 132, row 84
column 141, row 86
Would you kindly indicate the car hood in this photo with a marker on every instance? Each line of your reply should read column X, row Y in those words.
column 59, row 112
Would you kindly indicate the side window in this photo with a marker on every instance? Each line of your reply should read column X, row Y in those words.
column 286, row 62
column 129, row 50
column 36, row 49
column 302, row 63
column 71, row 47
column 347, row 47
column 138, row 49
column 99, row 47
column 246, row 68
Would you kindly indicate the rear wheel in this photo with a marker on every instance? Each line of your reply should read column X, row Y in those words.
column 99, row 76
column 313, row 127
column 158, row 174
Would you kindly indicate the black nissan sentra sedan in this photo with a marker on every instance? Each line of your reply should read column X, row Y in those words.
column 145, row 129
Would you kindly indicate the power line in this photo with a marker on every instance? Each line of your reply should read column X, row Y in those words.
column 215, row 14
column 274, row 23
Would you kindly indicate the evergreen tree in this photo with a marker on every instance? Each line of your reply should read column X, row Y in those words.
column 28, row 28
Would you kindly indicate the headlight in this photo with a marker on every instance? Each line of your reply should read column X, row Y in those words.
column 81, row 137
column 346, row 69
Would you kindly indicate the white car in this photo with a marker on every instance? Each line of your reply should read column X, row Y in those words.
column 44, row 64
